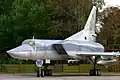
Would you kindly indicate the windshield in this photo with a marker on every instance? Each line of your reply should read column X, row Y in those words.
column 29, row 42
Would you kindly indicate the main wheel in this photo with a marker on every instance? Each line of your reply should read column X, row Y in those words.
column 98, row 72
column 95, row 72
column 91, row 73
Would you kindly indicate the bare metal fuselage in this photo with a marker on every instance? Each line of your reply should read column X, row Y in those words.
column 43, row 49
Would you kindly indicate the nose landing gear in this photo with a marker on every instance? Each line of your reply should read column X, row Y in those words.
column 43, row 72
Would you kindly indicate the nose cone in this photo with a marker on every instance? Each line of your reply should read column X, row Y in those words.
column 21, row 52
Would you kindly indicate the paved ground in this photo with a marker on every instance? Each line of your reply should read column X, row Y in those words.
column 59, row 77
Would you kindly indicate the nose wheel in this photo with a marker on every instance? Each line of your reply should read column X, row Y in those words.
column 43, row 72
column 40, row 72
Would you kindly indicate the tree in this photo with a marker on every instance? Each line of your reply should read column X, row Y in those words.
column 109, row 36
column 44, row 19
column 68, row 17
column 26, row 18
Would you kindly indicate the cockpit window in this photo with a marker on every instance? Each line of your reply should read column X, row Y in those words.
column 31, row 43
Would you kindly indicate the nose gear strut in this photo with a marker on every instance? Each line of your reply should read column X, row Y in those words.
column 43, row 72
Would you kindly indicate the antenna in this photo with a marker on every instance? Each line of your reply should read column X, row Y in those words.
column 33, row 37
column 34, row 44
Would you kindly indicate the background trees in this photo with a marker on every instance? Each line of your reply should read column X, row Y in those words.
column 51, row 19
column 110, row 35
column 68, row 17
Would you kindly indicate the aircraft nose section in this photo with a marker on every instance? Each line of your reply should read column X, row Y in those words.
column 10, row 52
column 21, row 52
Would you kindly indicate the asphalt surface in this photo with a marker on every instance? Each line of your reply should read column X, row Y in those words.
column 59, row 77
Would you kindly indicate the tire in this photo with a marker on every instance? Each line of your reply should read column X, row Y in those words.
column 91, row 73
column 46, row 73
column 95, row 72
column 50, row 72
column 38, row 72
column 98, row 72
column 42, row 73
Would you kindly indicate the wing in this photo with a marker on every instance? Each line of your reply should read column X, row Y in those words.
column 99, row 53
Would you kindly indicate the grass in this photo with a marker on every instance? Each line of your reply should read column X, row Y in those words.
column 31, row 68
column 18, row 68
column 83, row 68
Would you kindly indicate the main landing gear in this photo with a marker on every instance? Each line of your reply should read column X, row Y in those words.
column 94, row 71
column 42, row 72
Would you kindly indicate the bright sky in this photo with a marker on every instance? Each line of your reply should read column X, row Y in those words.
column 112, row 2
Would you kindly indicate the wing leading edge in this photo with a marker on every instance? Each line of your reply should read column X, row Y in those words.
column 99, row 53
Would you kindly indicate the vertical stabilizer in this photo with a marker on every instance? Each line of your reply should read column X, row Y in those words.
column 88, row 33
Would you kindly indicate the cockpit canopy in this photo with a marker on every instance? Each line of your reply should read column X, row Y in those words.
column 29, row 42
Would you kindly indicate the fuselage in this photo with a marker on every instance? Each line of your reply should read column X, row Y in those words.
column 43, row 49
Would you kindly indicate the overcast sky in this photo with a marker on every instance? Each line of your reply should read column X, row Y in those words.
column 112, row 2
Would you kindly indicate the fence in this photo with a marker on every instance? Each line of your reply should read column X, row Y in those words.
column 115, row 67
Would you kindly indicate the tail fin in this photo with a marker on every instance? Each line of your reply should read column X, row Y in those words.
column 88, row 33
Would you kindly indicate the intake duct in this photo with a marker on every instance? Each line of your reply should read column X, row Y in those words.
column 59, row 48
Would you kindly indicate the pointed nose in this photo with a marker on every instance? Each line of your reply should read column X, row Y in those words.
column 10, row 52
column 20, row 52
column 18, row 55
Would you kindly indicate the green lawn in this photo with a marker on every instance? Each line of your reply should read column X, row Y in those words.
column 83, row 68
column 31, row 68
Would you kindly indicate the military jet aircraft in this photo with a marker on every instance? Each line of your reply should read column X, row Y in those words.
column 81, row 45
